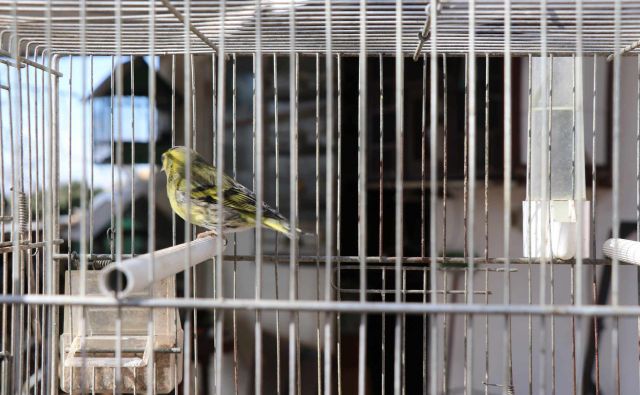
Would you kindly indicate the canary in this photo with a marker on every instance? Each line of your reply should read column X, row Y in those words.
column 238, row 202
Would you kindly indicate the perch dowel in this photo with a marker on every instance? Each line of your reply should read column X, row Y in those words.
column 627, row 251
column 133, row 275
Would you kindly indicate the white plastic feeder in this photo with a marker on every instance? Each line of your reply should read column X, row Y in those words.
column 88, row 358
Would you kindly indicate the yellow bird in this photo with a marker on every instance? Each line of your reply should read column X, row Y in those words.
column 238, row 203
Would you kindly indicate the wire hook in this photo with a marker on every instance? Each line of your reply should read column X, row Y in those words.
column 423, row 36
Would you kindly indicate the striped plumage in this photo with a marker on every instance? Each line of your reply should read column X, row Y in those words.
column 238, row 204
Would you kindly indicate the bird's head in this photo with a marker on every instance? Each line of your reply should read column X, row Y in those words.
column 174, row 160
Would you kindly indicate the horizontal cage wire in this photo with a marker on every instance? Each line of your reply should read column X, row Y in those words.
column 102, row 29
column 310, row 196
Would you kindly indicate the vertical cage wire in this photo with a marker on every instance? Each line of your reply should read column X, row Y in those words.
column 194, row 292
column 338, row 219
column 219, row 321
column 329, row 217
column 432, row 227
column 383, row 364
column 593, row 222
column 578, row 131
column 637, row 163
column 552, row 268
column 615, row 206
column 293, row 166
column 259, row 138
column 277, row 192
column 317, row 216
column 507, row 344
column 486, row 214
column 188, row 143
column 362, row 206
column 5, row 271
column 235, row 267
column 399, row 169
column 546, row 141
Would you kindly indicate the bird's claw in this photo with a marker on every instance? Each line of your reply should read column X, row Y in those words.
column 211, row 233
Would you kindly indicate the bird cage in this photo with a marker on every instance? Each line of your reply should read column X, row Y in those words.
column 448, row 195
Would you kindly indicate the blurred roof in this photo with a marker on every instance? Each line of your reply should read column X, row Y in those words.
column 141, row 83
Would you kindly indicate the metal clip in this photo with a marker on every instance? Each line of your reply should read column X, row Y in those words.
column 110, row 234
column 624, row 50
column 426, row 29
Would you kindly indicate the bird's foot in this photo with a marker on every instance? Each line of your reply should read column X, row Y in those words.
column 211, row 233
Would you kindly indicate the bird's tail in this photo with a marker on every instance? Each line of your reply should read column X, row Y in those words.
column 282, row 226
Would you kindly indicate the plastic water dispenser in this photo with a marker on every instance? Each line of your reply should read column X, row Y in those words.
column 555, row 217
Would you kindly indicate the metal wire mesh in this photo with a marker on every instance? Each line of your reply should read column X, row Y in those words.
column 102, row 27
column 447, row 244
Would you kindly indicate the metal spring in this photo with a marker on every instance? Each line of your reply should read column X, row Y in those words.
column 93, row 262
column 100, row 264
column 510, row 390
column 23, row 213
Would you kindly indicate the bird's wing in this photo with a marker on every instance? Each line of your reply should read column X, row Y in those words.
column 240, row 198
column 236, row 196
